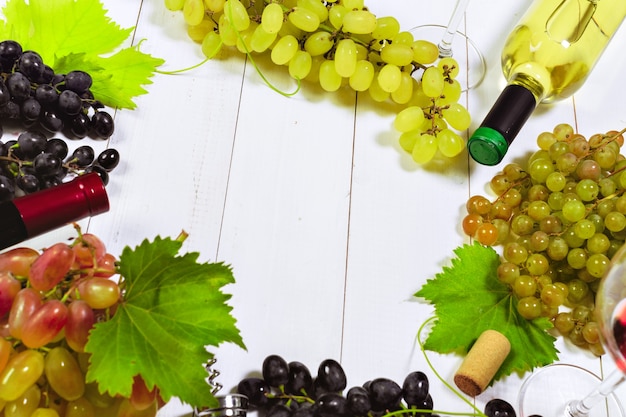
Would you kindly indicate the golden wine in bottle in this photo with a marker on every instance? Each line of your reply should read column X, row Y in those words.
column 547, row 57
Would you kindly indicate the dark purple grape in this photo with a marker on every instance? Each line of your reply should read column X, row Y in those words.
column 31, row 65
column 425, row 404
column 57, row 147
column 46, row 95
column 19, row 86
column 69, row 103
column 28, row 183
column 384, row 394
column 305, row 410
column 10, row 52
column 300, row 380
column 359, row 401
column 104, row 175
column 78, row 81
column 82, row 156
column 46, row 76
column 102, row 124
column 7, row 188
column 256, row 389
column 47, row 165
column 415, row 388
column 30, row 109
column 51, row 121
column 499, row 408
column 275, row 371
column 331, row 376
column 332, row 405
column 80, row 125
column 31, row 143
column 109, row 159
column 5, row 95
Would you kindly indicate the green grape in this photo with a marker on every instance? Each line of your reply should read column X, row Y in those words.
column 545, row 140
column 607, row 187
column 319, row 43
column 214, row 5
column 345, row 57
column 538, row 210
column 537, row 264
column 598, row 243
column 272, row 18
column 557, row 148
column 243, row 43
column 577, row 258
column 507, row 272
column 555, row 181
column 353, row 4
column 389, row 77
column 193, row 12
column 236, row 13
column 584, row 228
column 563, row 131
column 424, row 52
column 363, row 75
column 336, row 14
column 573, row 210
column 577, row 290
column 211, row 44
column 451, row 92
column 20, row 373
column 284, row 50
column 386, row 28
column 64, row 374
column 557, row 248
column 403, row 38
column 552, row 296
column 566, row 163
column 539, row 170
column 555, row 201
column 419, row 98
column 376, row 92
column 328, row 77
column 615, row 221
column 449, row 65
column 300, row 65
column 587, row 189
column 522, row 224
column 316, row 6
column 529, row 307
column 515, row 253
column 597, row 264
column 432, row 82
column 457, row 116
column 425, row 148
column 408, row 139
column 359, row 22
column 403, row 94
column 304, row 19
column 397, row 54
column 450, row 144
column 564, row 323
column 539, row 241
column 261, row 40
column 25, row 405
column 228, row 34
column 571, row 239
column 174, row 5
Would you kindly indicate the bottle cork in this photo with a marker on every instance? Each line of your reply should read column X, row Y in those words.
column 482, row 362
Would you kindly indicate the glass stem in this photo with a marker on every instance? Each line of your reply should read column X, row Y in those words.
column 581, row 408
column 445, row 45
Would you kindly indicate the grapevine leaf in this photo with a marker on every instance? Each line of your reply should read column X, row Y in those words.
column 469, row 299
column 172, row 310
column 78, row 32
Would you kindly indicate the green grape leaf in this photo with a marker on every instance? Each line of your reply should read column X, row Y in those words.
column 78, row 35
column 173, row 310
column 469, row 299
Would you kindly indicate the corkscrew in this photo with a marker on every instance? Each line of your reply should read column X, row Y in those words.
column 230, row 405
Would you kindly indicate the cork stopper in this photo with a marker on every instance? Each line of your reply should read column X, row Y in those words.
column 482, row 362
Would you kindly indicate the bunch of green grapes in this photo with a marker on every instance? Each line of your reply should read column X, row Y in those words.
column 340, row 43
column 559, row 219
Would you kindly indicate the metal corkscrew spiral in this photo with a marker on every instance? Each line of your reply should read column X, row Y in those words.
column 230, row 405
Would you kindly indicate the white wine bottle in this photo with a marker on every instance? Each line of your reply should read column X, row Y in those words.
column 547, row 57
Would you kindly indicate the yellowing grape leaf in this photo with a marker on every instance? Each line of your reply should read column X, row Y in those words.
column 79, row 32
column 469, row 299
column 173, row 309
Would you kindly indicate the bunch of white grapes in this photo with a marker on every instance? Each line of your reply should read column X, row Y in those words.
column 341, row 44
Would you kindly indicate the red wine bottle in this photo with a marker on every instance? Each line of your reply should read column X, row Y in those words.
column 34, row 214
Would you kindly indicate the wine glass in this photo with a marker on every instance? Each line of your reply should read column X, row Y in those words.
column 453, row 43
column 567, row 390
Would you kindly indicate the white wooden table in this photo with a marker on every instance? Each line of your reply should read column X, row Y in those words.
column 329, row 227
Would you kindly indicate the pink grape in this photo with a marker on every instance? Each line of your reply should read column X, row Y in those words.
column 9, row 287
column 18, row 261
column 80, row 320
column 44, row 324
column 26, row 302
column 51, row 267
